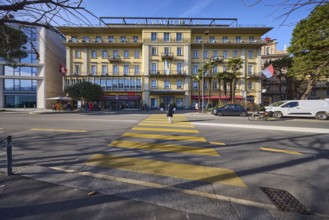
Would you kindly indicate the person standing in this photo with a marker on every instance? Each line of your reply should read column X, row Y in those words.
column 170, row 112
column 196, row 107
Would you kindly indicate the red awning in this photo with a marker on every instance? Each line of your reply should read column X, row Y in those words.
column 214, row 97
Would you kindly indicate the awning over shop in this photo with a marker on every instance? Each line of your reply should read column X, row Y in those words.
column 121, row 97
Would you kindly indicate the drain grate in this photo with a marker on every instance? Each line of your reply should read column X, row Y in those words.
column 284, row 201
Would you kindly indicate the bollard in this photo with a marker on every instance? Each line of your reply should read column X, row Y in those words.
column 9, row 157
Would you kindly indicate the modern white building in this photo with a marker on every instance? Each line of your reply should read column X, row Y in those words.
column 35, row 78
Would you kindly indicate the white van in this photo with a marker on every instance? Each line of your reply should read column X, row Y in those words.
column 318, row 109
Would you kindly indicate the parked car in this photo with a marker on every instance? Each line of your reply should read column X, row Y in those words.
column 318, row 109
column 230, row 109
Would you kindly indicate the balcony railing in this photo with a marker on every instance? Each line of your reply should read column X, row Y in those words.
column 217, row 59
column 164, row 73
column 167, row 56
column 114, row 59
column 254, row 75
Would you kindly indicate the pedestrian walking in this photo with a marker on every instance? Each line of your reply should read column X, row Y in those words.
column 170, row 112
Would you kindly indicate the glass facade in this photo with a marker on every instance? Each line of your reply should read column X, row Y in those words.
column 20, row 101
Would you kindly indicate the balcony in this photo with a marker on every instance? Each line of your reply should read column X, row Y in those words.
column 114, row 59
column 167, row 56
column 217, row 59
column 171, row 73
column 254, row 75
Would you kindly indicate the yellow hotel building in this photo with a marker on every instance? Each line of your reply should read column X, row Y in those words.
column 155, row 60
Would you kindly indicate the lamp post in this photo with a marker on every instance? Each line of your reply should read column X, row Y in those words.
column 202, row 80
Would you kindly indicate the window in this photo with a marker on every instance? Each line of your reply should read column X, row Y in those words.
column 251, row 39
column 138, row 84
column 212, row 39
column 132, row 83
column 224, row 68
column 235, row 53
column 179, row 37
column 166, row 37
column 166, row 50
column 153, row 67
column 85, row 39
column 98, row 39
column 215, row 69
column 250, row 69
column 250, row 85
column 104, row 54
column 120, row 83
column 127, row 81
column 136, row 54
column 93, row 69
column 215, row 84
column 195, row 69
column 153, row 37
column 31, row 58
column 115, row 54
column 154, row 51
column 179, row 51
column 195, row 54
column 225, row 55
column 126, row 69
column 74, row 39
column 77, row 54
column 77, row 69
column 290, row 105
column 250, row 54
column 154, row 83
column 205, row 54
column 179, row 102
column 115, row 83
column 123, row 39
column 109, row 84
column 93, row 54
column 195, row 85
column 225, row 39
column 167, row 84
column 268, row 51
column 179, row 68
column 198, row 39
column 238, row 39
column 136, row 69
column 135, row 39
column 126, row 54
column 104, row 69
column 115, row 69
column 111, row 39
column 215, row 53
column 154, row 102
column 179, row 84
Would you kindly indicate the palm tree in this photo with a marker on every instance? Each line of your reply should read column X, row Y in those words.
column 209, row 67
column 198, row 78
column 234, row 64
column 219, row 77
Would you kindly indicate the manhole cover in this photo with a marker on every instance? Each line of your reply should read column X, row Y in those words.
column 284, row 201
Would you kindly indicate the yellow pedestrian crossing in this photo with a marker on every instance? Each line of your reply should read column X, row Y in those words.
column 165, row 130
column 165, row 148
column 165, row 137
column 157, row 128
column 171, row 169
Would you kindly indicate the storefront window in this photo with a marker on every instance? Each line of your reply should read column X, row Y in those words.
column 20, row 101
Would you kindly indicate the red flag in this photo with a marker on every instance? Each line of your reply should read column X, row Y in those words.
column 62, row 69
column 268, row 71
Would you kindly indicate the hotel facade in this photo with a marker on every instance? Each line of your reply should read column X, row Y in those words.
column 155, row 61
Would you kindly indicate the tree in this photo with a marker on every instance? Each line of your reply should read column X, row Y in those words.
column 43, row 13
column 209, row 69
column 310, row 48
column 11, row 41
column 86, row 90
column 219, row 76
column 234, row 64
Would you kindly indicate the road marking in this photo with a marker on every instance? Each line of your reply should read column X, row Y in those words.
column 279, row 128
column 165, row 148
column 167, row 125
column 169, row 169
column 172, row 188
column 165, row 137
column 280, row 151
column 165, row 130
column 59, row 130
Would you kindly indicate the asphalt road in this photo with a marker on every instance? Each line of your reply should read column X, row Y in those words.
column 208, row 165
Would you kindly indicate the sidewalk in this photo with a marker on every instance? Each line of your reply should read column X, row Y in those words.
column 25, row 198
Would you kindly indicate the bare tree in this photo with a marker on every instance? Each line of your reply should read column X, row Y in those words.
column 285, row 8
column 44, row 13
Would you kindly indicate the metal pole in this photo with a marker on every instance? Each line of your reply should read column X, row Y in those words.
column 202, row 81
column 9, row 157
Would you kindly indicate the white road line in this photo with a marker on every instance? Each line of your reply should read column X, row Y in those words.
column 278, row 128
column 162, row 186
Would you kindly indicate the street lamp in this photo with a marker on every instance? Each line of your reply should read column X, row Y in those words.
column 202, row 63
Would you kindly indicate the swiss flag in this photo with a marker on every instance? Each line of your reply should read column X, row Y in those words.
column 62, row 69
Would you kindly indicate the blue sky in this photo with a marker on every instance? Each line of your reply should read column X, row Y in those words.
column 265, row 13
